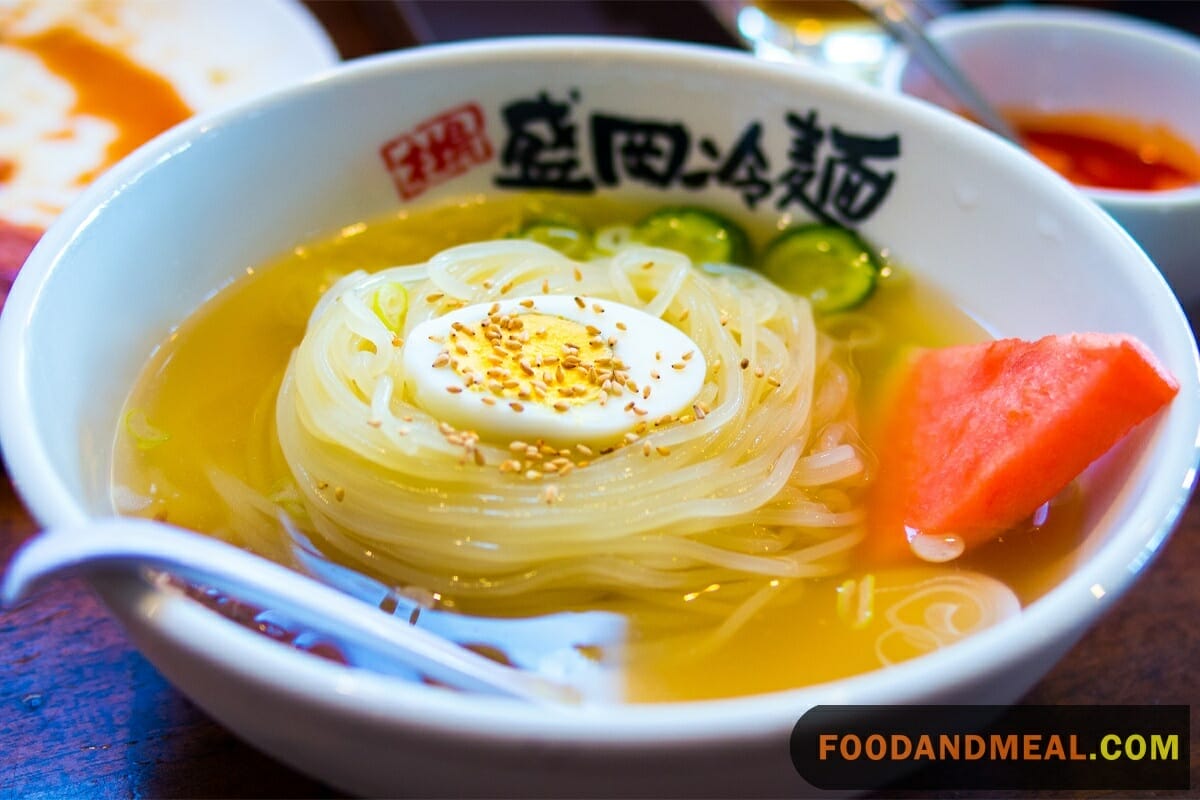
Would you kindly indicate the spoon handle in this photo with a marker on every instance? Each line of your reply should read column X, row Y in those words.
column 133, row 545
column 893, row 16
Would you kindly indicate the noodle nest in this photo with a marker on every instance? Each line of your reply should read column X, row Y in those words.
column 758, row 485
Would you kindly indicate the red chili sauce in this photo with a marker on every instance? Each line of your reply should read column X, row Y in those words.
column 1108, row 152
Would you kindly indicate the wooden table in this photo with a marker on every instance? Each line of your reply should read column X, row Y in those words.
column 83, row 714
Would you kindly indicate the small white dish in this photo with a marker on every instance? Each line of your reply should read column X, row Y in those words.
column 1058, row 60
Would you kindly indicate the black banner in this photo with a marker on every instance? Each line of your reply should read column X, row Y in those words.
column 993, row 747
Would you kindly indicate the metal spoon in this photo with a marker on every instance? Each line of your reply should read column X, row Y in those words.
column 134, row 545
column 894, row 17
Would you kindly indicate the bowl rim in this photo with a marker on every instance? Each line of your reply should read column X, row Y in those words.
column 1109, row 26
column 1055, row 620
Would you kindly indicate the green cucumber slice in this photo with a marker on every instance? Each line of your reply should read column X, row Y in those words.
column 830, row 265
column 573, row 241
column 703, row 236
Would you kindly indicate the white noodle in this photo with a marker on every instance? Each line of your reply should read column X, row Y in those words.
column 735, row 497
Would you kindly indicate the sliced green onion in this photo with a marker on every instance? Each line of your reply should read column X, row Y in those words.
column 390, row 304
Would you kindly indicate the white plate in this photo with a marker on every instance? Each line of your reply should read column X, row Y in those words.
column 213, row 52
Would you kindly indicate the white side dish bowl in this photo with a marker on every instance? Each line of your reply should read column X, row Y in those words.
column 1007, row 240
column 1060, row 60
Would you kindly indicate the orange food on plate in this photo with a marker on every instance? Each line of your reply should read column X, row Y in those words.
column 108, row 85
column 980, row 436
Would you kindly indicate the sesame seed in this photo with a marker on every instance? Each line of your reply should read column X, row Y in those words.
column 375, row 423
column 621, row 326
column 397, row 341
column 487, row 284
column 404, row 430
column 665, row 419
column 462, row 351
column 641, row 412
column 724, row 318
column 646, row 392
column 579, row 302
column 546, row 286
column 550, row 494
column 526, row 303
column 487, row 401
column 442, row 359
column 506, row 288
column 684, row 314
column 454, row 389
column 599, row 309
column 525, row 367
column 517, row 446
column 688, row 355
column 631, row 437
column 492, row 311
column 562, row 406
column 698, row 411
column 663, row 451
column 771, row 379
column 745, row 362
column 758, row 372
column 433, row 297
column 658, row 355
column 678, row 366
column 648, row 265
column 533, row 475
column 322, row 485
column 655, row 375
column 516, row 407
column 510, row 465
column 339, row 494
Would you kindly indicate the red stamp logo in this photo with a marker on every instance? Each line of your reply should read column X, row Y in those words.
column 437, row 150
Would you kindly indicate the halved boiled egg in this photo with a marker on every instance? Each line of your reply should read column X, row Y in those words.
column 561, row 369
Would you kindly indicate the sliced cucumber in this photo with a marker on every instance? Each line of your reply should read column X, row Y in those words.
column 573, row 241
column 701, row 235
column 831, row 266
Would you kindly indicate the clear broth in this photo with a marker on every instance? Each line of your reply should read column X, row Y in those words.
column 210, row 390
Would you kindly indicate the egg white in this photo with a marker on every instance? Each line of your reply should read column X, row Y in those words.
column 654, row 353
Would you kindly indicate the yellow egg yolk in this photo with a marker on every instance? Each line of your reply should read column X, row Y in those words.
column 532, row 357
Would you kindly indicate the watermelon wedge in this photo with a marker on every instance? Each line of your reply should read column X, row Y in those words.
column 979, row 436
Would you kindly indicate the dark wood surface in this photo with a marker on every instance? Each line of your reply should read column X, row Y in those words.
column 83, row 714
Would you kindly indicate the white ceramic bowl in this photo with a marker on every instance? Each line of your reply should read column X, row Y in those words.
column 1011, row 243
column 1079, row 60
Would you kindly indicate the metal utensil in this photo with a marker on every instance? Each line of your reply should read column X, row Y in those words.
column 894, row 17
column 551, row 668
